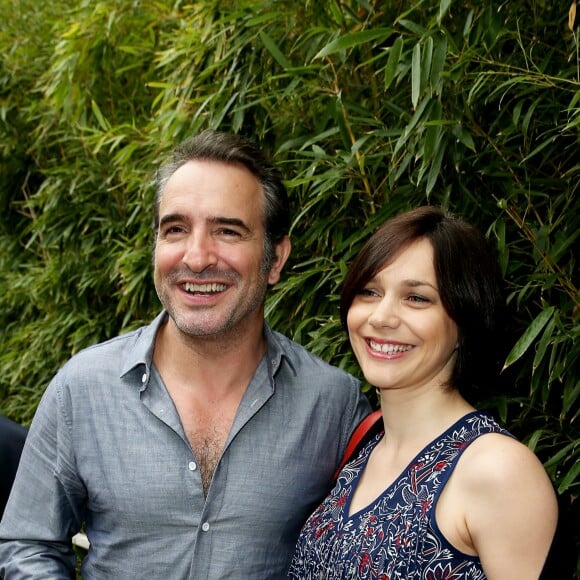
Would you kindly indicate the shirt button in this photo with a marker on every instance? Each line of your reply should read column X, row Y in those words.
column 144, row 378
column 205, row 526
column 192, row 466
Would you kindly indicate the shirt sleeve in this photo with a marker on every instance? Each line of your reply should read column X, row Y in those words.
column 47, row 499
column 360, row 409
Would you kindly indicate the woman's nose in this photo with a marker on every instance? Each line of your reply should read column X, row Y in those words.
column 385, row 314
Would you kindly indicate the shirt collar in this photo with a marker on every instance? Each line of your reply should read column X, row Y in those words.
column 275, row 352
column 141, row 353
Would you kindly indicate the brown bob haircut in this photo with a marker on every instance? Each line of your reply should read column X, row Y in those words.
column 468, row 279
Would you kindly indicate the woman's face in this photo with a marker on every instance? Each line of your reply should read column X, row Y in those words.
column 400, row 333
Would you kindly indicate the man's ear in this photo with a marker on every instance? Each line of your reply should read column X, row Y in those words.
column 281, row 252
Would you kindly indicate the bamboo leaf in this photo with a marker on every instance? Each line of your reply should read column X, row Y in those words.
column 273, row 49
column 438, row 64
column 555, row 460
column 393, row 61
column 105, row 126
column 543, row 344
column 443, row 8
column 432, row 137
column 408, row 131
column 416, row 75
column 426, row 59
column 435, row 168
column 546, row 143
column 352, row 39
column 529, row 336
column 535, row 438
column 572, row 16
column 502, row 246
column 571, row 395
column 464, row 136
column 413, row 27
column 570, row 478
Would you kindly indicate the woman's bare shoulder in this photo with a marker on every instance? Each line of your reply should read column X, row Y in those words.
column 495, row 459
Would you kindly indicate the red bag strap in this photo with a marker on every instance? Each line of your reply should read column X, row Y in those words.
column 357, row 437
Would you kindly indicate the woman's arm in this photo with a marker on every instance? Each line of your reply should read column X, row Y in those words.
column 510, row 509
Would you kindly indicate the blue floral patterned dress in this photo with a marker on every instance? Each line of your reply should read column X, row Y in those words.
column 395, row 537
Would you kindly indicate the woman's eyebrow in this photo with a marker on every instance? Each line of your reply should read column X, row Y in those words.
column 416, row 283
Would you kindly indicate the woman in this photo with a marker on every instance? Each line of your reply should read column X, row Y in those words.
column 445, row 492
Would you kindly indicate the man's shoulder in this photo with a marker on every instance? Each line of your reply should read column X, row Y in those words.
column 109, row 347
column 119, row 352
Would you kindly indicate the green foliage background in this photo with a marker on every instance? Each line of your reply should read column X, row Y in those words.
column 370, row 107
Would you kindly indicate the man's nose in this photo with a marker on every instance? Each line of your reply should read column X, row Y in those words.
column 200, row 252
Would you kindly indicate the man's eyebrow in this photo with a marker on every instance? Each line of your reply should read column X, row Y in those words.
column 216, row 220
column 229, row 221
column 171, row 217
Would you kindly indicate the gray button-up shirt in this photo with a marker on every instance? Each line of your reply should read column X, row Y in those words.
column 107, row 448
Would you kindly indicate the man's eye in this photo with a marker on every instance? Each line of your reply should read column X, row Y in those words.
column 170, row 230
column 229, row 232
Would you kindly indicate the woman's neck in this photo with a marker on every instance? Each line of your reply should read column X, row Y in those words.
column 415, row 418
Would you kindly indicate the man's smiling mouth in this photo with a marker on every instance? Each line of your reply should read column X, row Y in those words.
column 203, row 288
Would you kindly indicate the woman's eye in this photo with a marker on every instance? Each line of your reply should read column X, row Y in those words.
column 366, row 292
column 418, row 299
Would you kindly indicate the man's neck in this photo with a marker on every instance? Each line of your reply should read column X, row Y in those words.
column 218, row 363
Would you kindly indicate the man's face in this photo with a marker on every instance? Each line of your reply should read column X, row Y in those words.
column 209, row 251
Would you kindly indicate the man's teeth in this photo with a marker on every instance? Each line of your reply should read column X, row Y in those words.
column 389, row 348
column 204, row 288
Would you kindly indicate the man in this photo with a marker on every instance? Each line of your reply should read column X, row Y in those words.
column 12, row 437
column 195, row 447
